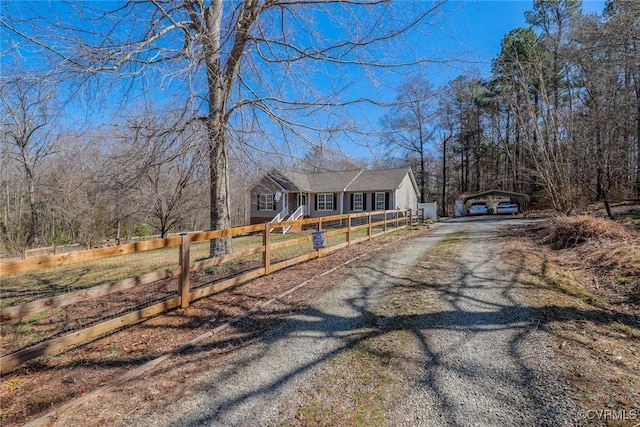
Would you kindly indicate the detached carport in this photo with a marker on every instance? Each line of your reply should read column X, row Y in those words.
column 521, row 199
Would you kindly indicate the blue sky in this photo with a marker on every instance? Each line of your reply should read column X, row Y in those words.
column 469, row 40
column 466, row 37
column 475, row 29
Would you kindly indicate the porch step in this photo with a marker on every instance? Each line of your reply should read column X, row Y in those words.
column 277, row 229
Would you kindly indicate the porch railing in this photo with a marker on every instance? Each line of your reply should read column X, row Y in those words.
column 294, row 217
column 279, row 218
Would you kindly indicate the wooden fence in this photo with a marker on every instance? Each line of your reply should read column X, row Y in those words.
column 370, row 224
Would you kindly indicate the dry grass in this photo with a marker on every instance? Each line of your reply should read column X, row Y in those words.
column 607, row 250
column 21, row 288
column 50, row 382
column 371, row 378
column 25, row 287
column 569, row 232
column 582, row 277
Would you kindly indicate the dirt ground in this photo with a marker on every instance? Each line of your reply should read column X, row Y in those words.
column 585, row 297
column 586, row 294
column 49, row 382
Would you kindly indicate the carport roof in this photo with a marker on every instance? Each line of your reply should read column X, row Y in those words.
column 523, row 199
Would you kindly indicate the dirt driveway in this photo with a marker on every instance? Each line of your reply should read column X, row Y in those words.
column 428, row 331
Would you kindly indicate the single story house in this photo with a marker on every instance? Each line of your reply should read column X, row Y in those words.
column 283, row 194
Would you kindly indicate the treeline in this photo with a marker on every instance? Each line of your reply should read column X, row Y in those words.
column 558, row 119
column 145, row 177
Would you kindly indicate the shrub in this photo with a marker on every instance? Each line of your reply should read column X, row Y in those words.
column 568, row 232
column 141, row 230
column 61, row 238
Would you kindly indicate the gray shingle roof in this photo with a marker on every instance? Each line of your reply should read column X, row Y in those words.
column 290, row 181
column 380, row 179
column 348, row 181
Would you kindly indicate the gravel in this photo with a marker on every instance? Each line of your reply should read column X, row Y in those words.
column 484, row 362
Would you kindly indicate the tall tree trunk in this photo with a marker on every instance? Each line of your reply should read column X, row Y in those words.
column 444, row 175
column 32, row 236
column 423, row 179
column 467, row 167
column 599, row 171
column 219, row 82
column 477, row 146
column 607, row 207
column 638, row 136
column 461, row 186
column 517, row 186
column 220, row 211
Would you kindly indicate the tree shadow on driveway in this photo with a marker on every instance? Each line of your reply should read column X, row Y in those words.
column 481, row 360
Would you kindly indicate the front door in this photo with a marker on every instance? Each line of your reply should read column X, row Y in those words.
column 302, row 201
column 285, row 204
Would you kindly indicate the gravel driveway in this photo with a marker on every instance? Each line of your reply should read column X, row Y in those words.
column 479, row 360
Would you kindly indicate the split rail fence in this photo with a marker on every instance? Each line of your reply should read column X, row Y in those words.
column 51, row 303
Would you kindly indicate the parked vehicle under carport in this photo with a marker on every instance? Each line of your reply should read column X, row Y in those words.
column 478, row 208
column 490, row 198
column 503, row 208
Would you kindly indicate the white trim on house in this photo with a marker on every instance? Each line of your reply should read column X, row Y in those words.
column 351, row 182
column 360, row 202
column 398, row 186
column 325, row 202
column 376, row 201
column 264, row 204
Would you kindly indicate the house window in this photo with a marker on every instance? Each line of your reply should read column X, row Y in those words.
column 325, row 202
column 266, row 202
column 358, row 204
column 380, row 201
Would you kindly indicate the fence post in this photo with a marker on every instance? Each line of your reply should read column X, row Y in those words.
column 349, row 230
column 185, row 275
column 369, row 231
column 410, row 218
column 266, row 255
column 384, row 225
column 396, row 220
column 319, row 229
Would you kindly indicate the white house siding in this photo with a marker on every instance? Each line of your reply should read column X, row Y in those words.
column 406, row 197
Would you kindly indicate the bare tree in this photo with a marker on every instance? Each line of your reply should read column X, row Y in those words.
column 549, row 154
column 74, row 206
column 621, row 27
column 444, row 204
column 604, row 98
column 320, row 159
column 27, row 130
column 411, row 124
column 244, row 57
column 554, row 17
column 516, row 87
column 156, row 161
